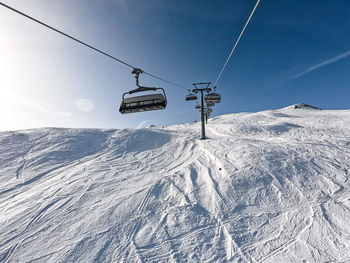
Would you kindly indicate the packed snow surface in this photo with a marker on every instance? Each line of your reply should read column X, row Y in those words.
column 270, row 186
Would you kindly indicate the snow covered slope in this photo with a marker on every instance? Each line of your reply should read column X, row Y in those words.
column 270, row 186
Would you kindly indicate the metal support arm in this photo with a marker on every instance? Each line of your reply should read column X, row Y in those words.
column 137, row 72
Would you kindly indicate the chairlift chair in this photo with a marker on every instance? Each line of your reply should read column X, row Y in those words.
column 142, row 103
column 210, row 104
column 198, row 106
column 191, row 96
column 212, row 97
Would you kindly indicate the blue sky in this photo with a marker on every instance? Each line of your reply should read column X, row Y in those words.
column 291, row 52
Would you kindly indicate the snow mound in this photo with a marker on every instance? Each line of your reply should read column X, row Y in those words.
column 271, row 186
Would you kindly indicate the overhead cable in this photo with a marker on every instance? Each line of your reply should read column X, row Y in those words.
column 85, row 44
column 234, row 47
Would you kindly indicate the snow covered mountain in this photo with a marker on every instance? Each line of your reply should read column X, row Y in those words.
column 270, row 186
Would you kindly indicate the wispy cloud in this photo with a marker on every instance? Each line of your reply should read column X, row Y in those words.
column 142, row 124
column 322, row 64
column 49, row 109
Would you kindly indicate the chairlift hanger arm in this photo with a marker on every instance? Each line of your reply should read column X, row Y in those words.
column 137, row 72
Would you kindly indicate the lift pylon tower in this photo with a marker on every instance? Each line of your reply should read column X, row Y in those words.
column 201, row 90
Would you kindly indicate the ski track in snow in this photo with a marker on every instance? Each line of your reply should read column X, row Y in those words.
column 270, row 186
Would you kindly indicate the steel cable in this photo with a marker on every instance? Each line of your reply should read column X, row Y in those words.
column 234, row 47
column 87, row 45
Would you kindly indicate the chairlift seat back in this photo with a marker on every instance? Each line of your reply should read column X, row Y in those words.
column 143, row 103
column 191, row 97
column 212, row 97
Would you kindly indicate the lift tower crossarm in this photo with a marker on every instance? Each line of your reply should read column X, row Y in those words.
column 201, row 90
